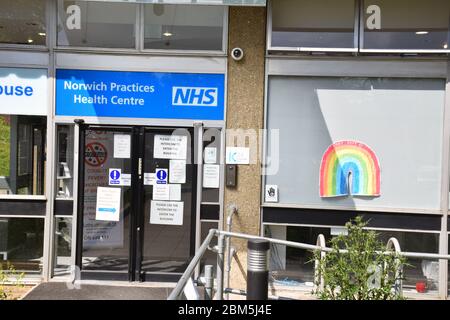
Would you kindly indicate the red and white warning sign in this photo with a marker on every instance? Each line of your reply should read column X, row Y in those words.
column 95, row 154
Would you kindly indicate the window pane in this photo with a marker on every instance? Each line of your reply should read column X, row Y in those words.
column 183, row 27
column 408, row 24
column 313, row 114
column 64, row 175
column 63, row 245
column 22, row 154
column 96, row 24
column 211, row 146
column 313, row 23
column 22, row 22
column 417, row 270
column 294, row 267
column 21, row 243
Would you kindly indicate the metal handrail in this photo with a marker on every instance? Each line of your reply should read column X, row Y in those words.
column 191, row 267
column 226, row 234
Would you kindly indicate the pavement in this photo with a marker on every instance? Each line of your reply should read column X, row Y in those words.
column 149, row 291
column 60, row 291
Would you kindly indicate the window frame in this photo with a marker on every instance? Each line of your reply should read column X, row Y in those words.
column 392, row 51
column 342, row 67
column 38, row 47
column 139, row 40
column 178, row 51
column 99, row 49
column 312, row 49
column 358, row 43
column 33, row 197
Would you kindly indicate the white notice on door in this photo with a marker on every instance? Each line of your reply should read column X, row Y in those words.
column 211, row 176
column 166, row 212
column 177, row 169
column 122, row 146
column 125, row 179
column 108, row 204
column 170, row 147
column 149, row 178
column 161, row 192
column 210, row 155
column 175, row 192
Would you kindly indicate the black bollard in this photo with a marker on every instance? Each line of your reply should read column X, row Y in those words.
column 257, row 269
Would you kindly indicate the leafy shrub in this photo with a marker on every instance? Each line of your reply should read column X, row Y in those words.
column 361, row 272
column 9, row 277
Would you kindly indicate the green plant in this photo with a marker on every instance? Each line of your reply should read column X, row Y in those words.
column 4, row 147
column 362, row 272
column 9, row 277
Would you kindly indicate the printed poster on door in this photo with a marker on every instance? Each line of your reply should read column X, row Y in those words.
column 99, row 151
column 166, row 212
column 170, row 147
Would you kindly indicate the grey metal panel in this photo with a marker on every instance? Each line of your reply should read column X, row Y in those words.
column 63, row 208
column 210, row 212
column 141, row 121
column 14, row 58
column 150, row 63
column 400, row 119
column 22, row 207
column 358, row 67
column 401, row 221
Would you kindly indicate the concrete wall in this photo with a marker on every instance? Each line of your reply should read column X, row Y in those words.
column 245, row 110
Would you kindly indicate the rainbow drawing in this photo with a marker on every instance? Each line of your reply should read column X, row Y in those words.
column 349, row 158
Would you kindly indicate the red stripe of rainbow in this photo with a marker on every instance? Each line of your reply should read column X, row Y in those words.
column 356, row 152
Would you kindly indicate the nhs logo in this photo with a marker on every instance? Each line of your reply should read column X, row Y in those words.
column 194, row 96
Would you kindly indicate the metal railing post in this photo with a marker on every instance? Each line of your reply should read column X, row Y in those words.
column 258, row 269
column 318, row 277
column 175, row 294
column 220, row 265
column 209, row 282
column 229, row 255
column 398, row 286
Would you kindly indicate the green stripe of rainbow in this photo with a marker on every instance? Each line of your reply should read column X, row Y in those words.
column 343, row 157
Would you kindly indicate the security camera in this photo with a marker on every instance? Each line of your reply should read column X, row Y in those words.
column 237, row 54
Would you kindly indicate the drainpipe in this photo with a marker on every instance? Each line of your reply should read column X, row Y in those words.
column 230, row 251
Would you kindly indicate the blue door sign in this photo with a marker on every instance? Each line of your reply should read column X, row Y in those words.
column 161, row 176
column 114, row 176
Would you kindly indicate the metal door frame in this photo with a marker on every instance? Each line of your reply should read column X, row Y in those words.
column 137, row 217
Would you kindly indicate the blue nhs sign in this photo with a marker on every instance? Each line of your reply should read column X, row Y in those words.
column 155, row 95
column 194, row 96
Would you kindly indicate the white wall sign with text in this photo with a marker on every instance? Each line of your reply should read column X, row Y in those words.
column 237, row 155
column 23, row 91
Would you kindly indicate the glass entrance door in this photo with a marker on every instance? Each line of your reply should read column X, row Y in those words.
column 136, row 202
column 168, row 237
column 104, row 245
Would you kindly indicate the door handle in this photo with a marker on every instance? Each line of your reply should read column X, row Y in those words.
column 140, row 168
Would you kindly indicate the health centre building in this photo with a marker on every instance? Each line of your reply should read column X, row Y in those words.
column 128, row 129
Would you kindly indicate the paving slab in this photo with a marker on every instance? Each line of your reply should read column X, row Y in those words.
column 60, row 291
